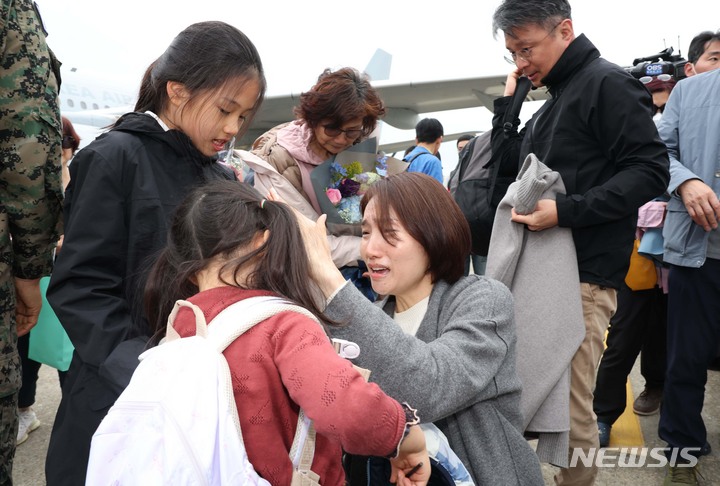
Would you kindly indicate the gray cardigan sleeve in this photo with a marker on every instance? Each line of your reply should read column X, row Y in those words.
column 464, row 339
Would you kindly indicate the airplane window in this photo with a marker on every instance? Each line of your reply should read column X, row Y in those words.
column 83, row 105
column 70, row 103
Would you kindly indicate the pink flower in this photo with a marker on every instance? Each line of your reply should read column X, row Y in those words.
column 334, row 196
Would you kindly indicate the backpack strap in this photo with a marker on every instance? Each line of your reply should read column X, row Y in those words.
column 511, row 121
column 230, row 324
column 302, row 450
column 200, row 325
column 248, row 312
column 467, row 153
column 415, row 157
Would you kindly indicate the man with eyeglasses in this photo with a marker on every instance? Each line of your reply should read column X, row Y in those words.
column 423, row 158
column 611, row 161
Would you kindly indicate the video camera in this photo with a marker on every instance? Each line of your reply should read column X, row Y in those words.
column 664, row 62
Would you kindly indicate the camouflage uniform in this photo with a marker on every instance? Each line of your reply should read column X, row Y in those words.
column 30, row 187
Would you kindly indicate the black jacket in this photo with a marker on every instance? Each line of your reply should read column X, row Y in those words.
column 597, row 132
column 124, row 188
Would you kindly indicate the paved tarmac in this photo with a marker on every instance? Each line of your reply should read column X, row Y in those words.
column 30, row 456
column 29, row 466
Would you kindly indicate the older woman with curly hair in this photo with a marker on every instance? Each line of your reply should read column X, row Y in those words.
column 341, row 110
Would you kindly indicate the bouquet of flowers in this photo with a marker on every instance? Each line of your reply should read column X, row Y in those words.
column 349, row 183
column 341, row 181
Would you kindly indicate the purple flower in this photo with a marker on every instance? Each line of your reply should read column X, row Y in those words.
column 349, row 187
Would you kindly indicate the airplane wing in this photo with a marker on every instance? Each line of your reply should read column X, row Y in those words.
column 404, row 101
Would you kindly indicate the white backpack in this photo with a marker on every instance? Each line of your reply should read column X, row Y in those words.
column 176, row 423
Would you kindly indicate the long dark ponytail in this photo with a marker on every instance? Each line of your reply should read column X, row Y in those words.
column 222, row 218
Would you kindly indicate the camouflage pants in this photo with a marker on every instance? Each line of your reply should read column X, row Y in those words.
column 8, row 436
column 9, row 376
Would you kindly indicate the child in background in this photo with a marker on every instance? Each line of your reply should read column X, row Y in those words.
column 226, row 244
column 124, row 186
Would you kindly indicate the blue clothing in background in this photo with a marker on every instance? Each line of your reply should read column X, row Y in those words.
column 425, row 162
column 689, row 129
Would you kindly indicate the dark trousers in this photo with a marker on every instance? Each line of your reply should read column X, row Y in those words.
column 638, row 327
column 30, row 369
column 479, row 263
column 693, row 338
column 86, row 399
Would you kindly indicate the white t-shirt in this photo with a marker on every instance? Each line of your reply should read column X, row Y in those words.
column 409, row 320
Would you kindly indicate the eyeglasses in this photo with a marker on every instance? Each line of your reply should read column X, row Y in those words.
column 333, row 132
column 526, row 53
column 659, row 77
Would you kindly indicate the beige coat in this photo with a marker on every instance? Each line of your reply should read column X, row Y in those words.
column 345, row 249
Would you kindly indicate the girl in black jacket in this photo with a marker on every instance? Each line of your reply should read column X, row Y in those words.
column 194, row 99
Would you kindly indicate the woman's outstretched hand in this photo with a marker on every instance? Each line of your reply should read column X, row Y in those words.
column 322, row 268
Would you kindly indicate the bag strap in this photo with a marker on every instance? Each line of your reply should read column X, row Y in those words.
column 239, row 317
column 225, row 330
column 302, row 450
column 415, row 157
column 466, row 156
column 230, row 324
column 200, row 325
column 245, row 314
column 510, row 123
column 510, row 120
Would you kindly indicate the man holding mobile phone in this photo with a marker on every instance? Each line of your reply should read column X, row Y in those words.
column 597, row 132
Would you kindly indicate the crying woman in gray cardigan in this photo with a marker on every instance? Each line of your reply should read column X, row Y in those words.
column 441, row 342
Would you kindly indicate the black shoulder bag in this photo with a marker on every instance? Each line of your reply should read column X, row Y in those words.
column 480, row 186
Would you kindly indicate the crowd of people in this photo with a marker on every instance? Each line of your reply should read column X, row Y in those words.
column 452, row 355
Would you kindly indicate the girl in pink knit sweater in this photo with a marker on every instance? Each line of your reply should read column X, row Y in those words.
column 227, row 243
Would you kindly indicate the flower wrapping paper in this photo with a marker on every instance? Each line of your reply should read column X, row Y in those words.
column 339, row 203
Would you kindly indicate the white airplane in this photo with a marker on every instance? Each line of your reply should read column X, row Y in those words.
column 93, row 104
